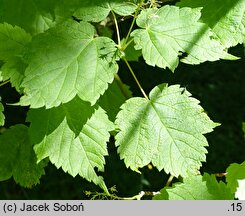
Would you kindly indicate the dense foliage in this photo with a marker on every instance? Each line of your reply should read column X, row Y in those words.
column 66, row 62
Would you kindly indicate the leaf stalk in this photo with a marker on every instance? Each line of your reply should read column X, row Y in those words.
column 135, row 78
column 117, row 29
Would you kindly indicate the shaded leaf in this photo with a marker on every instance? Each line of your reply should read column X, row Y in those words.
column 33, row 15
column 131, row 54
column 97, row 10
column 18, row 158
column 113, row 98
column 12, row 41
column 14, row 70
column 167, row 130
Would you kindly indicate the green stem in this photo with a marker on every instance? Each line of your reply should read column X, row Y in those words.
column 127, row 44
column 5, row 82
column 133, row 22
column 170, row 179
column 117, row 29
column 135, row 78
column 131, row 28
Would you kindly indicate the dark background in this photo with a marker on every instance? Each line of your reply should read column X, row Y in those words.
column 220, row 86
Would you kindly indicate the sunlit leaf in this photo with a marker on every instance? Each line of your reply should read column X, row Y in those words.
column 66, row 61
column 227, row 22
column 235, row 172
column 197, row 188
column 73, row 136
column 166, row 130
column 169, row 32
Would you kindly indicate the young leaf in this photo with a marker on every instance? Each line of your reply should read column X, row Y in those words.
column 167, row 130
column 17, row 157
column 170, row 31
column 66, row 61
column 197, row 188
column 235, row 172
column 2, row 118
column 73, row 136
column 12, row 41
column 32, row 15
column 98, row 10
column 226, row 22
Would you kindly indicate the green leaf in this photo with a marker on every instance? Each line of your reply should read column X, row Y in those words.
column 14, row 70
column 170, row 31
column 240, row 192
column 197, row 188
column 235, row 172
column 167, row 130
column 227, row 22
column 12, row 41
column 12, row 44
column 113, row 98
column 33, row 15
column 65, row 9
column 73, row 136
column 17, row 157
column 66, row 61
column 131, row 54
column 97, row 10
column 2, row 118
